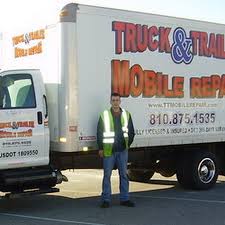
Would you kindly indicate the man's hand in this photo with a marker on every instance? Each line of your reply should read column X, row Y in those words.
column 100, row 153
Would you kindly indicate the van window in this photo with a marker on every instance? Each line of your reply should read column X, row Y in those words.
column 17, row 91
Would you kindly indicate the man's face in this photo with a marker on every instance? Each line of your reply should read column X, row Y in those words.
column 115, row 102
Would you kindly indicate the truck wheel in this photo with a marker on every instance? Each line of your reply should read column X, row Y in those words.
column 166, row 167
column 199, row 171
column 204, row 170
column 140, row 175
column 167, row 173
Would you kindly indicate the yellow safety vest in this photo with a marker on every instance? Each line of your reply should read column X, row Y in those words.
column 109, row 130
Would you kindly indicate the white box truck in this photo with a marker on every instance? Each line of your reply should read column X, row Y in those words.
column 170, row 73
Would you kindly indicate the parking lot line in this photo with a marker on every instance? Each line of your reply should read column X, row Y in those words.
column 180, row 199
column 49, row 219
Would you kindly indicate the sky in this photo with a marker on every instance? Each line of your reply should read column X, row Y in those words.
column 14, row 13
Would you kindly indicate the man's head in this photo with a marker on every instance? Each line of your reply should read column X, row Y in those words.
column 115, row 101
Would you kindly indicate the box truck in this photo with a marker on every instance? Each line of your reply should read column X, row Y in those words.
column 57, row 79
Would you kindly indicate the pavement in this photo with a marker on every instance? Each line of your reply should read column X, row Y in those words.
column 160, row 202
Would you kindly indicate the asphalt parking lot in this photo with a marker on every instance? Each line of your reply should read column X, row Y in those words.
column 159, row 202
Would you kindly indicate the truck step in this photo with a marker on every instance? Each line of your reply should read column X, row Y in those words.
column 29, row 193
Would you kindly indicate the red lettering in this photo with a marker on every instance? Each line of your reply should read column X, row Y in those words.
column 159, row 92
column 119, row 28
column 167, row 93
column 222, row 87
column 203, row 50
column 120, row 77
column 194, row 36
column 212, row 45
column 215, row 84
column 31, row 124
column 218, row 44
column 137, row 37
column 222, row 47
column 149, row 83
column 142, row 37
column 178, row 86
column 130, row 38
column 206, row 87
column 136, row 80
column 164, row 44
column 152, row 44
column 195, row 87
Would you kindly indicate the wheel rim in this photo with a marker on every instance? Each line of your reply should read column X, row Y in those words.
column 206, row 170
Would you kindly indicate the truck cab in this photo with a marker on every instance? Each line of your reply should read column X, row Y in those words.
column 24, row 131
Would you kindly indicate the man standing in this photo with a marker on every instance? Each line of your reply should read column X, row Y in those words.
column 115, row 134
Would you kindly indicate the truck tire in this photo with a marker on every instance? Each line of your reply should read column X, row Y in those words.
column 166, row 167
column 167, row 173
column 204, row 170
column 140, row 175
column 198, row 171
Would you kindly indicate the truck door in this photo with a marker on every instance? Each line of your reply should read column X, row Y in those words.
column 24, row 133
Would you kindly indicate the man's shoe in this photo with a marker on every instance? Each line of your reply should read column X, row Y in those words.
column 127, row 203
column 104, row 204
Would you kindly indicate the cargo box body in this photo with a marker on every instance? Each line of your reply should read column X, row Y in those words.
column 169, row 72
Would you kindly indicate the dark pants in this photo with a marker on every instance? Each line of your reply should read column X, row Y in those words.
column 120, row 159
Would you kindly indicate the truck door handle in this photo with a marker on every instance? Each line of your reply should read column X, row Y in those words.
column 39, row 117
column 46, row 106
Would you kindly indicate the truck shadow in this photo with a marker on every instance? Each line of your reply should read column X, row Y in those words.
column 62, row 200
